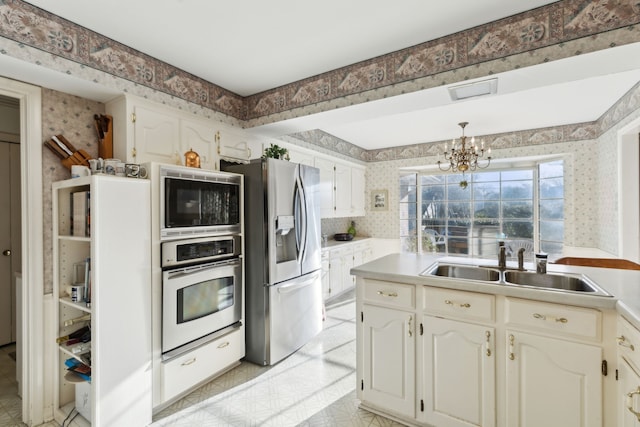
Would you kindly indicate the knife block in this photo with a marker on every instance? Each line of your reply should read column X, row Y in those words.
column 77, row 157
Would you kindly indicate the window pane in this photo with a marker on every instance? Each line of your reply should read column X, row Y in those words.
column 407, row 210
column 432, row 192
column 517, row 190
column 459, row 210
column 521, row 209
column 517, row 175
column 458, row 246
column 486, row 176
column 409, row 244
column 487, row 191
column 455, row 179
column 455, row 192
column 518, row 229
column 552, row 169
column 552, row 188
column 407, row 194
column 408, row 180
column 407, row 228
column 552, row 209
column 552, row 230
column 486, row 210
column 432, row 179
column 551, row 248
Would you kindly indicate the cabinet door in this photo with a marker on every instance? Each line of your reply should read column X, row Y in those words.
column 389, row 359
column 357, row 192
column 628, row 396
column 156, row 136
column 348, row 281
column 459, row 373
column 342, row 190
column 552, row 382
column 326, row 276
column 301, row 157
column 201, row 138
column 335, row 273
column 327, row 207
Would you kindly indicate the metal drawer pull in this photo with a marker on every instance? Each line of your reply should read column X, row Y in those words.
column 512, row 339
column 189, row 362
column 630, row 402
column 224, row 344
column 388, row 294
column 622, row 341
column 410, row 326
column 488, row 335
column 465, row 305
column 557, row 319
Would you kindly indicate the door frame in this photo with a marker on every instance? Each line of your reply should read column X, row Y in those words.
column 629, row 203
column 33, row 375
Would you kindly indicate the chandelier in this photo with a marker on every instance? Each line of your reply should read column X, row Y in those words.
column 464, row 158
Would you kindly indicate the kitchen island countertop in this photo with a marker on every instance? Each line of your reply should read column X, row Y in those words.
column 622, row 285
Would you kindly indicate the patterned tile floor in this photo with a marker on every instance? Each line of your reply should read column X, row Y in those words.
column 314, row 387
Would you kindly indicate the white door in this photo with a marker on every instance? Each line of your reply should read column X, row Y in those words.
column 157, row 137
column 552, row 382
column 10, row 237
column 342, row 190
column 459, row 373
column 389, row 364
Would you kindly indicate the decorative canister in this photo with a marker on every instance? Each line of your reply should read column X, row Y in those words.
column 191, row 159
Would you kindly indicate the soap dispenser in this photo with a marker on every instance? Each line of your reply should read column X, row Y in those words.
column 352, row 229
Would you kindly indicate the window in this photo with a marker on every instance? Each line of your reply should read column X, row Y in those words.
column 467, row 215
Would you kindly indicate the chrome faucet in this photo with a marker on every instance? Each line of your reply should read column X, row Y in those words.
column 521, row 259
column 502, row 256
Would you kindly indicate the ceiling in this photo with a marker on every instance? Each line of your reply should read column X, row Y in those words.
column 249, row 46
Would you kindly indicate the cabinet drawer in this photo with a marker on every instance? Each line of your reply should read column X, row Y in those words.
column 190, row 369
column 389, row 293
column 559, row 319
column 459, row 304
column 628, row 339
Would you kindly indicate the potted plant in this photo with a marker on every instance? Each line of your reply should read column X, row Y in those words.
column 276, row 152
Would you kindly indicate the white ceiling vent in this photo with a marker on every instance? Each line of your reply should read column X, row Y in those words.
column 470, row 90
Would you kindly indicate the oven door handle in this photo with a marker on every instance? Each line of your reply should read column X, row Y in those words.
column 285, row 289
column 195, row 269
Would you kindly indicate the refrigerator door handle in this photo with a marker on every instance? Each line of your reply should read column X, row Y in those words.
column 298, row 285
column 301, row 219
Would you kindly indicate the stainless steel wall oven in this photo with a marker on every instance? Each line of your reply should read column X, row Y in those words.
column 201, row 291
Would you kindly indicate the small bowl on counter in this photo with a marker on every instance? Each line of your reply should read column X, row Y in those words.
column 342, row 237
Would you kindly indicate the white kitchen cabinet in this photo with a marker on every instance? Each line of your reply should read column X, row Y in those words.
column 459, row 386
column 628, row 343
column 119, row 315
column 458, row 352
column 358, row 190
column 341, row 195
column 388, row 340
column 301, row 157
column 181, row 374
column 144, row 131
column 201, row 138
column 552, row 382
column 489, row 360
column 337, row 263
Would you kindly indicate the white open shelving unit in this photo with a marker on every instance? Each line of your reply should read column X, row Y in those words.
column 120, row 349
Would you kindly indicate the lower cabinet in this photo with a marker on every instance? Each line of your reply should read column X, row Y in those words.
column 184, row 372
column 459, row 373
column 389, row 343
column 482, row 359
column 337, row 263
column 628, row 342
column 552, row 382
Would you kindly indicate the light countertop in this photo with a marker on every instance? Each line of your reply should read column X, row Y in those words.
column 334, row 244
column 622, row 285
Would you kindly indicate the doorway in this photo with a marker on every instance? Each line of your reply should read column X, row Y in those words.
column 30, row 316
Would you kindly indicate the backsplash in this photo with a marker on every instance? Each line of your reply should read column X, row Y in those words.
column 331, row 226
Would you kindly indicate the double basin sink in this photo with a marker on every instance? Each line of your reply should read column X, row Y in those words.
column 549, row 281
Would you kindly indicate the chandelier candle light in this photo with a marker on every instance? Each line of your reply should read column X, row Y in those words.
column 463, row 159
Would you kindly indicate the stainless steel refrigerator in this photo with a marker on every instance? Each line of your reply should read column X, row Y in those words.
column 283, row 289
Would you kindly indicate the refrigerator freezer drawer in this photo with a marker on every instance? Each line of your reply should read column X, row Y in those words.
column 295, row 309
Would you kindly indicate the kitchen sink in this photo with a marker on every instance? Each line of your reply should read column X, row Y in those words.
column 463, row 272
column 562, row 282
column 571, row 283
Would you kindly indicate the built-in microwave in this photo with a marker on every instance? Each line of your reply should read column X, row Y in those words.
column 196, row 202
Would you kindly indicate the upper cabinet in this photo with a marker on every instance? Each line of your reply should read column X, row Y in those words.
column 144, row 131
column 342, row 188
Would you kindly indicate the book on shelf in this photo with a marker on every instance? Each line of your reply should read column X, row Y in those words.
column 79, row 368
column 87, row 282
column 80, row 214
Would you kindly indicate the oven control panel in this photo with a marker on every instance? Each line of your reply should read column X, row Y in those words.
column 190, row 251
